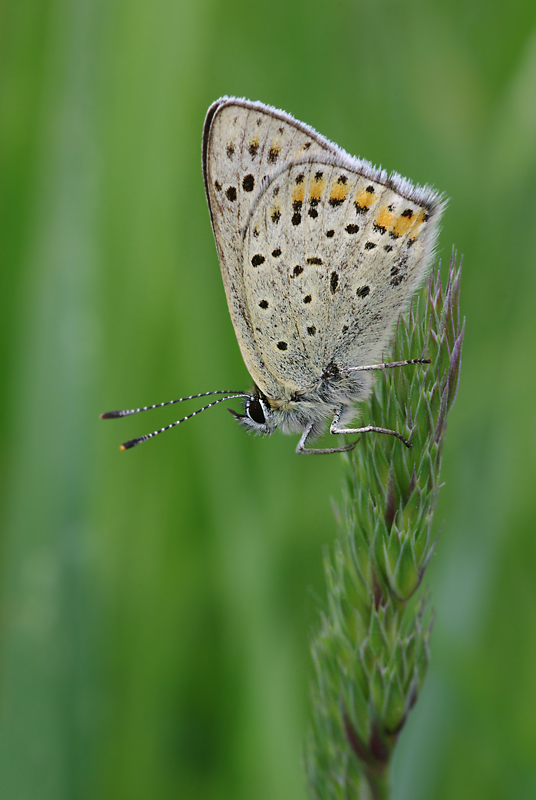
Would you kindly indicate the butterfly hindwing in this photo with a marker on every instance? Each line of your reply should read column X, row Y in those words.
column 330, row 260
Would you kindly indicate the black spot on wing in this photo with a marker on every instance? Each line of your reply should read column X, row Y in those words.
column 333, row 282
column 297, row 207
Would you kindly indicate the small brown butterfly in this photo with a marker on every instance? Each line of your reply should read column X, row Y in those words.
column 320, row 252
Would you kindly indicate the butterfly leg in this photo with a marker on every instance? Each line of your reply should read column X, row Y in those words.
column 387, row 365
column 334, row 428
column 315, row 451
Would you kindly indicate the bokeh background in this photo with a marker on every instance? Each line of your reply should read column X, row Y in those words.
column 156, row 604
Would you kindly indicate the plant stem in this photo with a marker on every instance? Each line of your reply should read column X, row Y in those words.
column 372, row 647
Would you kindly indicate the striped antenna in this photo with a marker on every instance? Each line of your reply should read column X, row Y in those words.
column 128, row 412
column 140, row 439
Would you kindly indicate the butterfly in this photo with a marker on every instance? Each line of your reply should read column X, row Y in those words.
column 320, row 252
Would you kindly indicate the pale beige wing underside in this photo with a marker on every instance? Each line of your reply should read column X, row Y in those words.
column 319, row 252
column 243, row 144
column 330, row 260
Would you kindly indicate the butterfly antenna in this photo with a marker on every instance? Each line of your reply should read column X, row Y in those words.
column 128, row 412
column 140, row 439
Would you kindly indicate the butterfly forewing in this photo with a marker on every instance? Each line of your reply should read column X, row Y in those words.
column 244, row 143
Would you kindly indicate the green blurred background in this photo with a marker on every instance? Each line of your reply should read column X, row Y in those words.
column 156, row 604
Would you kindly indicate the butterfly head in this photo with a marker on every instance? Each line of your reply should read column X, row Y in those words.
column 263, row 415
column 258, row 417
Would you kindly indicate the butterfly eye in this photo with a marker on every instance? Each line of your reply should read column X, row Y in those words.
column 255, row 412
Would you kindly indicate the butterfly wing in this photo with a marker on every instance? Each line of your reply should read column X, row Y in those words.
column 319, row 251
column 244, row 142
column 330, row 259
